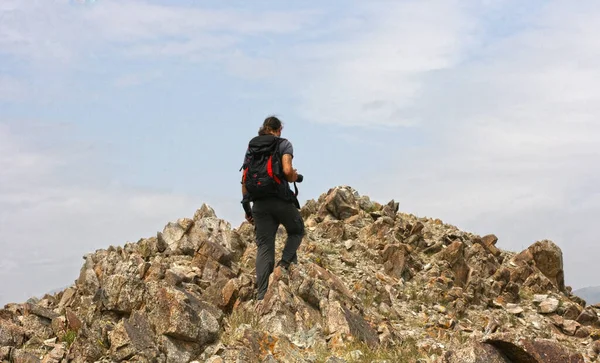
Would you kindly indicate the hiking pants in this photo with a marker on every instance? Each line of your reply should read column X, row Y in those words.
column 268, row 214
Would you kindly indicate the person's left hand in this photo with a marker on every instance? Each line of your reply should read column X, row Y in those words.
column 250, row 219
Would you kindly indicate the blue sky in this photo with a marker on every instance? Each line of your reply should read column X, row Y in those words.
column 119, row 116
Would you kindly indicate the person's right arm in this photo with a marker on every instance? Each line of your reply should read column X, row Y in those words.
column 291, row 175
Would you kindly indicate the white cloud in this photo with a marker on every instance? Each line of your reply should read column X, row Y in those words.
column 49, row 221
column 376, row 72
column 11, row 89
column 63, row 33
column 512, row 136
column 136, row 79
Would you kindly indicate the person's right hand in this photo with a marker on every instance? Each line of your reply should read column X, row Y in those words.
column 250, row 219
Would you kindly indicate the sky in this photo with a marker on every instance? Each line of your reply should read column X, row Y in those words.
column 117, row 117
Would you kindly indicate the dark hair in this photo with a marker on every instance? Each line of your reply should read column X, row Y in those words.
column 271, row 123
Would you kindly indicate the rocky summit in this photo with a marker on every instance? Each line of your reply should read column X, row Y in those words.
column 372, row 284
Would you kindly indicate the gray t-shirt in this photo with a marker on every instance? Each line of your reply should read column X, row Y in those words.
column 285, row 147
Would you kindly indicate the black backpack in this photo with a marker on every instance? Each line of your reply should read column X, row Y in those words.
column 263, row 170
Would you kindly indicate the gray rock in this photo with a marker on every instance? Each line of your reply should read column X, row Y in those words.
column 548, row 306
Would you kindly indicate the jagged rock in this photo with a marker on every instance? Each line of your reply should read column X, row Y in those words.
column 532, row 351
column 123, row 293
column 342, row 321
column 539, row 283
column 41, row 326
column 205, row 211
column 11, row 334
column 570, row 327
column 340, row 203
column 395, row 259
column 454, row 254
column 547, row 257
column 514, row 309
column 489, row 241
column 475, row 353
column 40, row 311
column 596, row 347
column 570, row 310
column 179, row 315
column 132, row 337
column 56, row 355
column 23, row 356
column 5, row 353
column 370, row 284
column 177, row 350
column 174, row 232
column 588, row 317
column 549, row 306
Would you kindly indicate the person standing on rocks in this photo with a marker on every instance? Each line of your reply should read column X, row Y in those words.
column 267, row 174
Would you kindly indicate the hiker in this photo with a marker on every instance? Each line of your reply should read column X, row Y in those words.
column 268, row 172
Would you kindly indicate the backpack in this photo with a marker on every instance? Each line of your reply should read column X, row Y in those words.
column 263, row 170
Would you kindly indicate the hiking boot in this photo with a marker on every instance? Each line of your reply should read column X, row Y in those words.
column 285, row 265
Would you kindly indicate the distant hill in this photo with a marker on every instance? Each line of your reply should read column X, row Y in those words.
column 591, row 294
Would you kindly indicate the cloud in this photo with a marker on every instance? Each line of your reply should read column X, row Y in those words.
column 512, row 134
column 64, row 33
column 136, row 79
column 49, row 219
column 376, row 71
column 11, row 89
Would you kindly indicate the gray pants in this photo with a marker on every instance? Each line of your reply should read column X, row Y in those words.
column 268, row 214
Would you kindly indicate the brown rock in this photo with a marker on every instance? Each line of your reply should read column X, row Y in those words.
column 205, row 211
column 11, row 334
column 475, row 353
column 583, row 332
column 56, row 354
column 490, row 240
column 519, row 274
column 588, row 317
column 417, row 229
column 123, row 293
column 331, row 229
column 454, row 254
column 348, row 259
column 333, row 281
column 489, row 244
column 538, row 283
column 340, row 203
column 230, row 293
column 215, row 252
column 174, row 231
column 23, row 356
column 40, row 311
column 343, row 321
column 596, row 347
column 570, row 310
column 548, row 306
column 569, row 327
column 5, row 353
column 179, row 315
column 390, row 209
column 395, row 259
column 73, row 322
column 132, row 336
column 40, row 327
column 533, row 351
column 547, row 257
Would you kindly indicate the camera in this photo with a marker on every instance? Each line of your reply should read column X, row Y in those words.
column 300, row 178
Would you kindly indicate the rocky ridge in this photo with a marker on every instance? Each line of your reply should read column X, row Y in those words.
column 372, row 285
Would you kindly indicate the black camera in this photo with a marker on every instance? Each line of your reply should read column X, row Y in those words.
column 300, row 178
